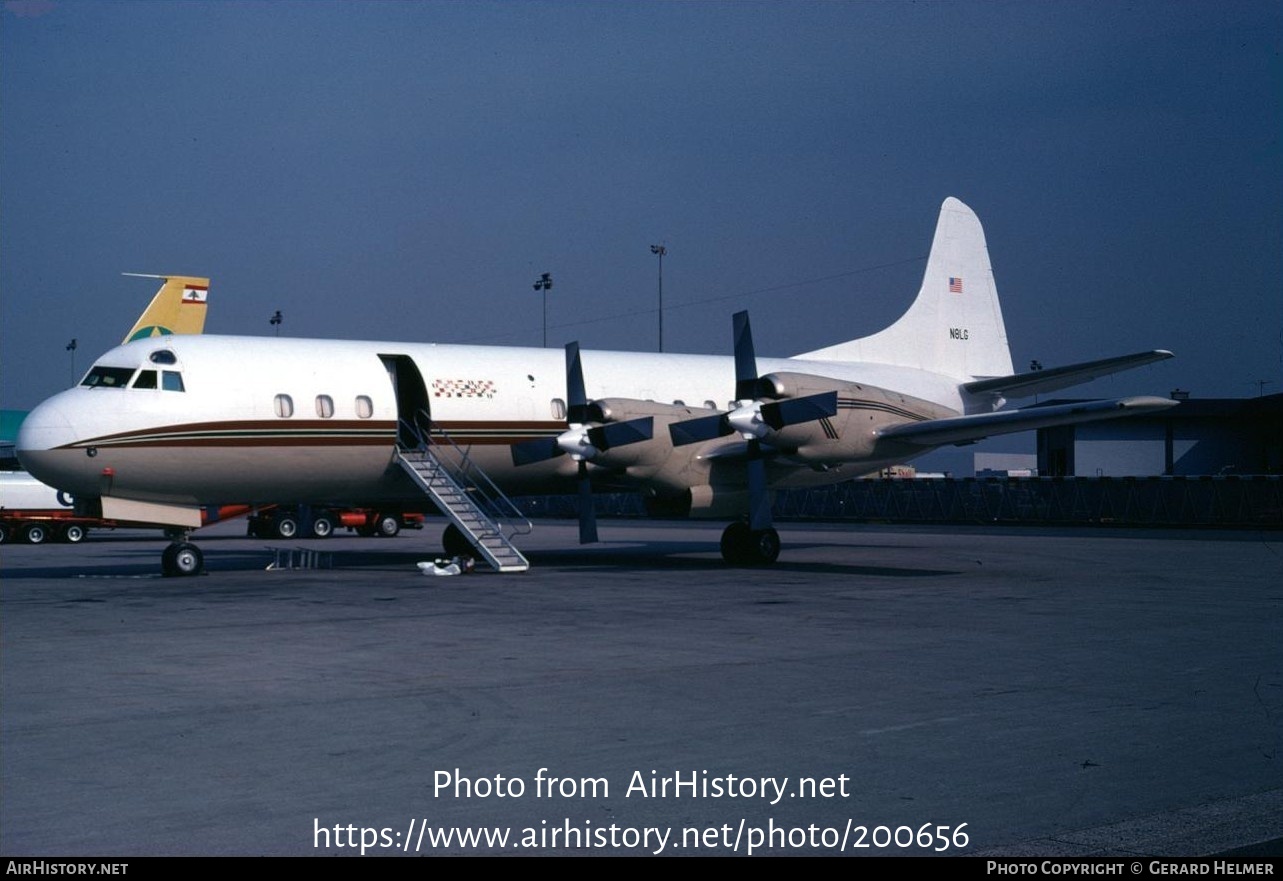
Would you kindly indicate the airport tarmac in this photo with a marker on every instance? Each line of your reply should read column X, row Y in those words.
column 1019, row 691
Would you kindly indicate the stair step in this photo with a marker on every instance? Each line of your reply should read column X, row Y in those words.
column 458, row 502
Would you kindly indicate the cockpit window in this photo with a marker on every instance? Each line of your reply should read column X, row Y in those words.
column 163, row 356
column 171, row 381
column 100, row 376
column 146, row 379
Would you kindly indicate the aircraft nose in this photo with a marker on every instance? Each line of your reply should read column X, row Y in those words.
column 45, row 428
column 44, row 448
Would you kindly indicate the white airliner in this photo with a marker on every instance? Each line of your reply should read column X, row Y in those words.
column 161, row 426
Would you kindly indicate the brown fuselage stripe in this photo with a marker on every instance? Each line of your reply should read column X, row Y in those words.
column 311, row 433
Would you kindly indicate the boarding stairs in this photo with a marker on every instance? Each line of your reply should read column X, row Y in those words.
column 466, row 496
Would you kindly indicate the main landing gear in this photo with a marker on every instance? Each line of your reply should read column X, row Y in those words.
column 744, row 546
column 181, row 557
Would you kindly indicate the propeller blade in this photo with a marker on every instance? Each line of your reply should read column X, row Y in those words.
column 759, row 500
column 540, row 449
column 576, row 397
column 620, row 434
column 587, row 514
column 745, row 360
column 692, row 431
column 793, row 411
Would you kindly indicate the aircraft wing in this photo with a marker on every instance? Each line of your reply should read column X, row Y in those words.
column 965, row 429
column 1038, row 382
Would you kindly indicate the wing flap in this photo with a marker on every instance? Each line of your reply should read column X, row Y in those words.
column 964, row 429
column 1040, row 382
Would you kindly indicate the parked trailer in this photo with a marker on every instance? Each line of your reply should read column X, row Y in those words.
column 287, row 521
column 35, row 513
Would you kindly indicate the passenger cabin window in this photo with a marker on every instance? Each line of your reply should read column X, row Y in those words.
column 324, row 406
column 558, row 409
column 171, row 381
column 107, row 377
column 146, row 379
column 163, row 356
column 284, row 406
column 364, row 407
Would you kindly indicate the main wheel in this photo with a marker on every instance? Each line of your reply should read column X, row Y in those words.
column 742, row 546
column 388, row 525
column 322, row 526
column 182, row 558
column 35, row 533
column 455, row 543
column 763, row 547
column 74, row 533
column 286, row 527
column 735, row 539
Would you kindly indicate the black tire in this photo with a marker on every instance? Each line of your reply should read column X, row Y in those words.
column 35, row 533
column 322, row 526
column 763, row 547
column 74, row 533
column 285, row 527
column 455, row 543
column 4, row 532
column 735, row 541
column 182, row 559
column 388, row 525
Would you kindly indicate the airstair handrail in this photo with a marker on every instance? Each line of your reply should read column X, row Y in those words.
column 502, row 509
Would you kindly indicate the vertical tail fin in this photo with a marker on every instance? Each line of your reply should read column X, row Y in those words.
column 178, row 307
column 955, row 325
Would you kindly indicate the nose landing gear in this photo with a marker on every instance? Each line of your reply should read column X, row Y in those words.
column 181, row 557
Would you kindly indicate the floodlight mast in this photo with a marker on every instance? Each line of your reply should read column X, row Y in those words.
column 660, row 251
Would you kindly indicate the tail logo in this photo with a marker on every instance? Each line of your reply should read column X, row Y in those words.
column 955, row 285
column 149, row 331
column 197, row 295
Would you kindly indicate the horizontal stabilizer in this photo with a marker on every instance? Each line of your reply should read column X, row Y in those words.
column 965, row 429
column 1040, row 382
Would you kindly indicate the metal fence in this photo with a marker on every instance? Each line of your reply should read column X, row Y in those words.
column 1128, row 501
column 1124, row 501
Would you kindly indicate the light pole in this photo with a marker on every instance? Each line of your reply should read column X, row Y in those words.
column 660, row 251
column 276, row 320
column 71, row 347
column 543, row 284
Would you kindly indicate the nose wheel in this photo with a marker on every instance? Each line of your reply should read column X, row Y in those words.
column 744, row 546
column 182, row 558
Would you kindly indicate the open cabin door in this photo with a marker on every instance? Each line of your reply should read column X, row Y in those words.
column 413, row 408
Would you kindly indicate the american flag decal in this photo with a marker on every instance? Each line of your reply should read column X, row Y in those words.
column 955, row 285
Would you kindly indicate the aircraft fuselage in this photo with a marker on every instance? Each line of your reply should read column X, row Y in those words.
column 265, row 420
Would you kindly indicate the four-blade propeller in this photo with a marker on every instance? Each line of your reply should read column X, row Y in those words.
column 586, row 438
column 753, row 419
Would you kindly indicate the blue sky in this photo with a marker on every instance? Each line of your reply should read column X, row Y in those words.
column 406, row 171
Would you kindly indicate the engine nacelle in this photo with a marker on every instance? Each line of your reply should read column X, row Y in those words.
column 700, row 503
column 853, row 433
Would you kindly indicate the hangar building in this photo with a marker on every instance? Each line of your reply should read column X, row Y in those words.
column 1217, row 437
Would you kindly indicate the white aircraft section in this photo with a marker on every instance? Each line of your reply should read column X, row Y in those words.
column 197, row 420
column 958, row 294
